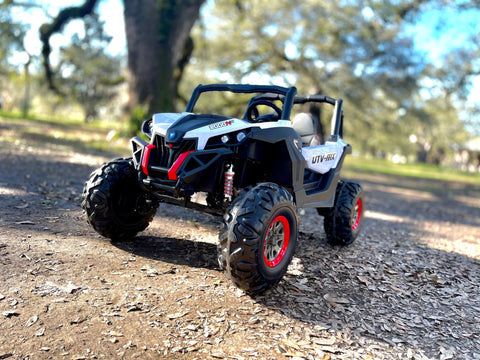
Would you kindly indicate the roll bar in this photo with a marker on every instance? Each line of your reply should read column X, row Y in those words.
column 287, row 95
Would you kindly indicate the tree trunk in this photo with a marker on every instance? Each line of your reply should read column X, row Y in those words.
column 26, row 96
column 158, row 40
column 159, row 47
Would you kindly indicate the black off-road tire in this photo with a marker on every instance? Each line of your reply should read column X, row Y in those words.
column 259, row 237
column 344, row 221
column 115, row 205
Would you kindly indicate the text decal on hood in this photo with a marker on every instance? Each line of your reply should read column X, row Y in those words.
column 221, row 124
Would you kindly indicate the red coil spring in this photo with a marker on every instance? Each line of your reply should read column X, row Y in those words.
column 228, row 187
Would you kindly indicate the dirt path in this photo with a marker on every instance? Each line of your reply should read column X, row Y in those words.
column 408, row 288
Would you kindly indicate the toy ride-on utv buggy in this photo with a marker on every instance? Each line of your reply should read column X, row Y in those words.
column 254, row 170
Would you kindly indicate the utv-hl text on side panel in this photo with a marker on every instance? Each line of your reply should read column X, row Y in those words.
column 255, row 171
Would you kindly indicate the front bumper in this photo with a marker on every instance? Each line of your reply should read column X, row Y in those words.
column 178, row 172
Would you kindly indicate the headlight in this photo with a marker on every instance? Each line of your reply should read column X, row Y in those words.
column 240, row 136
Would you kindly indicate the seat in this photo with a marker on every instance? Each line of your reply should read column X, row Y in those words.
column 303, row 124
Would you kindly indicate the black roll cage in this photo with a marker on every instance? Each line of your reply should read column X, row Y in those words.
column 288, row 97
column 288, row 94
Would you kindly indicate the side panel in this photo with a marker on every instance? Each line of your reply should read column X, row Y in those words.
column 279, row 159
column 271, row 155
column 321, row 193
column 322, row 158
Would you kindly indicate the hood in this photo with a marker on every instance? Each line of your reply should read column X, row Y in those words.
column 174, row 125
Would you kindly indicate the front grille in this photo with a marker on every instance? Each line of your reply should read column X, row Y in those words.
column 166, row 155
column 163, row 151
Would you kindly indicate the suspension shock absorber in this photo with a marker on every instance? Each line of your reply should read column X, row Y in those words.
column 228, row 186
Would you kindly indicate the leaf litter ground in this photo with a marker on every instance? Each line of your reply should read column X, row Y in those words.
column 407, row 288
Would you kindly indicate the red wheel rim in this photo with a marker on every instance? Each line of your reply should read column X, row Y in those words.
column 276, row 241
column 357, row 214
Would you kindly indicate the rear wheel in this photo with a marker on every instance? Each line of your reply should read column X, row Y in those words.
column 115, row 205
column 344, row 221
column 259, row 237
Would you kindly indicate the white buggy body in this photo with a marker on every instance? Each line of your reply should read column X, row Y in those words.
column 319, row 158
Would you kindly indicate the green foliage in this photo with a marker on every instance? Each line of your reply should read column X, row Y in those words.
column 358, row 51
column 90, row 76
column 12, row 33
column 133, row 125
column 355, row 166
column 342, row 49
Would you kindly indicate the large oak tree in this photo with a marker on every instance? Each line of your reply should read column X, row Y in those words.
column 158, row 41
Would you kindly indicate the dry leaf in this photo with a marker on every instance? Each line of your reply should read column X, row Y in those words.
column 25, row 222
column 331, row 298
column 292, row 354
column 364, row 280
column 291, row 343
column 22, row 206
column 177, row 315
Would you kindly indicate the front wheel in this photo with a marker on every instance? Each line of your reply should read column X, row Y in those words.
column 114, row 202
column 343, row 222
column 259, row 237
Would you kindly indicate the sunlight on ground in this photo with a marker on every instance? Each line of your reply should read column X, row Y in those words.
column 12, row 192
column 445, row 237
column 468, row 200
column 417, row 194
column 438, row 235
column 93, row 160
column 384, row 217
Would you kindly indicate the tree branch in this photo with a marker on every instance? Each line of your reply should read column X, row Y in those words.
column 47, row 30
column 406, row 9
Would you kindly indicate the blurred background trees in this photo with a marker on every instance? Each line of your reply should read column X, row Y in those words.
column 401, row 102
column 360, row 51
column 89, row 76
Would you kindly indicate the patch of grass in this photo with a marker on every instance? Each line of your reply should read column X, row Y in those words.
column 424, row 171
column 61, row 121
column 74, row 134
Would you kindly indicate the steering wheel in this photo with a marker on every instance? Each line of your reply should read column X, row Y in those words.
column 253, row 115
